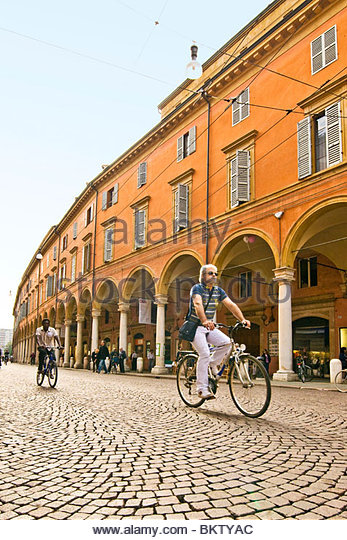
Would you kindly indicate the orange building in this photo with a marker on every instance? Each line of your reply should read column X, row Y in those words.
column 246, row 170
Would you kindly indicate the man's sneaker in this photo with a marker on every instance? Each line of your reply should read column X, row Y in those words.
column 215, row 372
column 206, row 394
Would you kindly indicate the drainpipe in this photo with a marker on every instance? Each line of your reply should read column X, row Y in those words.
column 93, row 273
column 57, row 280
column 206, row 98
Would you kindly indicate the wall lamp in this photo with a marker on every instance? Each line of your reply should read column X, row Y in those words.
column 278, row 215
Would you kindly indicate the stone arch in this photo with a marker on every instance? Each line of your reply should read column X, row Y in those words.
column 85, row 301
column 60, row 312
column 106, row 294
column 71, row 308
column 172, row 270
column 52, row 316
column 140, row 281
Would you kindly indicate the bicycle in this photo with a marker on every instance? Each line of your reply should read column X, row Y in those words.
column 49, row 368
column 305, row 373
column 250, row 393
column 341, row 380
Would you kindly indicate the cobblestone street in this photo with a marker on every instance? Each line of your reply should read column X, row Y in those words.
column 114, row 447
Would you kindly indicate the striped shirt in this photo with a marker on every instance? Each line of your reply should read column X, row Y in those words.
column 218, row 295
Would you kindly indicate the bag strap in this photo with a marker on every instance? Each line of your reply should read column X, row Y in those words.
column 189, row 312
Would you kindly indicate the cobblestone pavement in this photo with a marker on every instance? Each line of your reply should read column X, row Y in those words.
column 116, row 447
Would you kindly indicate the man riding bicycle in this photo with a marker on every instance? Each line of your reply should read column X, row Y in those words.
column 204, row 298
column 45, row 338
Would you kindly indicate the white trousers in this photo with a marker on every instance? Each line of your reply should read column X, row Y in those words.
column 200, row 344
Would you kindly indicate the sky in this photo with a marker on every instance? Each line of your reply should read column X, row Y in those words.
column 67, row 107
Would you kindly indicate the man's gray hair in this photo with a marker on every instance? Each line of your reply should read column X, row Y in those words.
column 203, row 270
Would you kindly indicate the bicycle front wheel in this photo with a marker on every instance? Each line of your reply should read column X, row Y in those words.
column 53, row 375
column 341, row 380
column 186, row 381
column 39, row 378
column 308, row 373
column 250, row 386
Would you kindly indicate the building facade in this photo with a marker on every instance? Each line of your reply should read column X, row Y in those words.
column 245, row 170
column 6, row 335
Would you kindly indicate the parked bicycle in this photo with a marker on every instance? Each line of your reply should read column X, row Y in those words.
column 49, row 368
column 305, row 372
column 341, row 380
column 248, row 381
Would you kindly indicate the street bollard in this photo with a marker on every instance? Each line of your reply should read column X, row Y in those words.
column 335, row 367
column 139, row 364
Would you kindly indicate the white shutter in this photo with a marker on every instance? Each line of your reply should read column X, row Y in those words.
column 74, row 230
column 180, row 148
column 240, row 177
column 304, row 148
column 115, row 194
column 104, row 201
column 73, row 269
column 176, row 226
column 140, row 216
column 330, row 46
column 244, row 98
column 92, row 212
column 236, row 112
column 334, row 139
column 233, row 187
column 182, row 206
column 85, row 218
column 54, row 253
column 83, row 258
column 317, row 61
column 192, row 140
column 108, row 245
column 142, row 174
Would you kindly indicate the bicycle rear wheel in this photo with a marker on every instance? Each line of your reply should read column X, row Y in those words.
column 341, row 380
column 308, row 373
column 250, row 386
column 52, row 375
column 186, row 381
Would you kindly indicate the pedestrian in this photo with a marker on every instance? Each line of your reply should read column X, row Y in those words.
column 266, row 358
column 343, row 357
column 113, row 360
column 32, row 358
column 204, row 298
column 95, row 360
column 134, row 361
column 151, row 361
column 102, row 355
column 122, row 359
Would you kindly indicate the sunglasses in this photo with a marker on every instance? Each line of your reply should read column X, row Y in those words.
column 212, row 273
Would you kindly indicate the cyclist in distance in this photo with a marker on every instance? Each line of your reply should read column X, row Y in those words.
column 202, row 311
column 45, row 338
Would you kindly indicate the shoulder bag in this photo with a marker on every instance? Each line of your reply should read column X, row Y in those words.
column 188, row 328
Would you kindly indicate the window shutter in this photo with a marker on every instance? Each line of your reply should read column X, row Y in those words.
column 55, row 253
column 180, row 148
column 142, row 174
column 140, row 228
column 182, row 206
column 240, row 177
column 88, row 252
column 244, row 98
column 334, row 140
column 192, row 140
column 108, row 245
column 115, row 194
column 104, row 201
column 330, row 46
column 304, row 148
column 83, row 259
column 73, row 269
column 236, row 109
column 74, row 230
column 92, row 212
column 176, row 226
column 317, row 54
column 85, row 218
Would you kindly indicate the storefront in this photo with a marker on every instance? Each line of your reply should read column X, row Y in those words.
column 311, row 337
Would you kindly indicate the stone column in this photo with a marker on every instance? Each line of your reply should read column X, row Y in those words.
column 57, row 352
column 68, row 323
column 95, row 329
column 123, row 308
column 285, row 276
column 159, row 368
column 79, row 348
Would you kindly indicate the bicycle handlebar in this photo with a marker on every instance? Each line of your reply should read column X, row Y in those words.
column 232, row 328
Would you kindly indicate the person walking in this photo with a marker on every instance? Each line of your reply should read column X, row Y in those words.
column 102, row 355
column 95, row 360
column 134, row 361
column 151, row 361
column 266, row 359
column 113, row 360
column 204, row 298
column 122, row 358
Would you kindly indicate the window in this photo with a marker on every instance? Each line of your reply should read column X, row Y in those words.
column 74, row 230
column 55, row 253
column 88, row 218
column 86, row 252
column 110, row 197
column 327, row 141
column 64, row 242
column 73, row 268
column 108, row 244
column 49, row 286
column 240, row 107
column 47, row 260
column 142, row 174
column 186, row 144
column 62, row 276
column 181, row 207
column 54, row 283
column 240, row 178
column 140, row 228
column 323, row 50
column 308, row 272
column 245, row 280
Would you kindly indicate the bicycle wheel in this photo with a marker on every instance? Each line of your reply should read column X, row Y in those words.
column 249, row 386
column 39, row 378
column 301, row 374
column 308, row 373
column 341, row 380
column 52, row 375
column 186, row 381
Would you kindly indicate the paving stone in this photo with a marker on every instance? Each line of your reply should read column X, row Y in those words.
column 327, row 511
